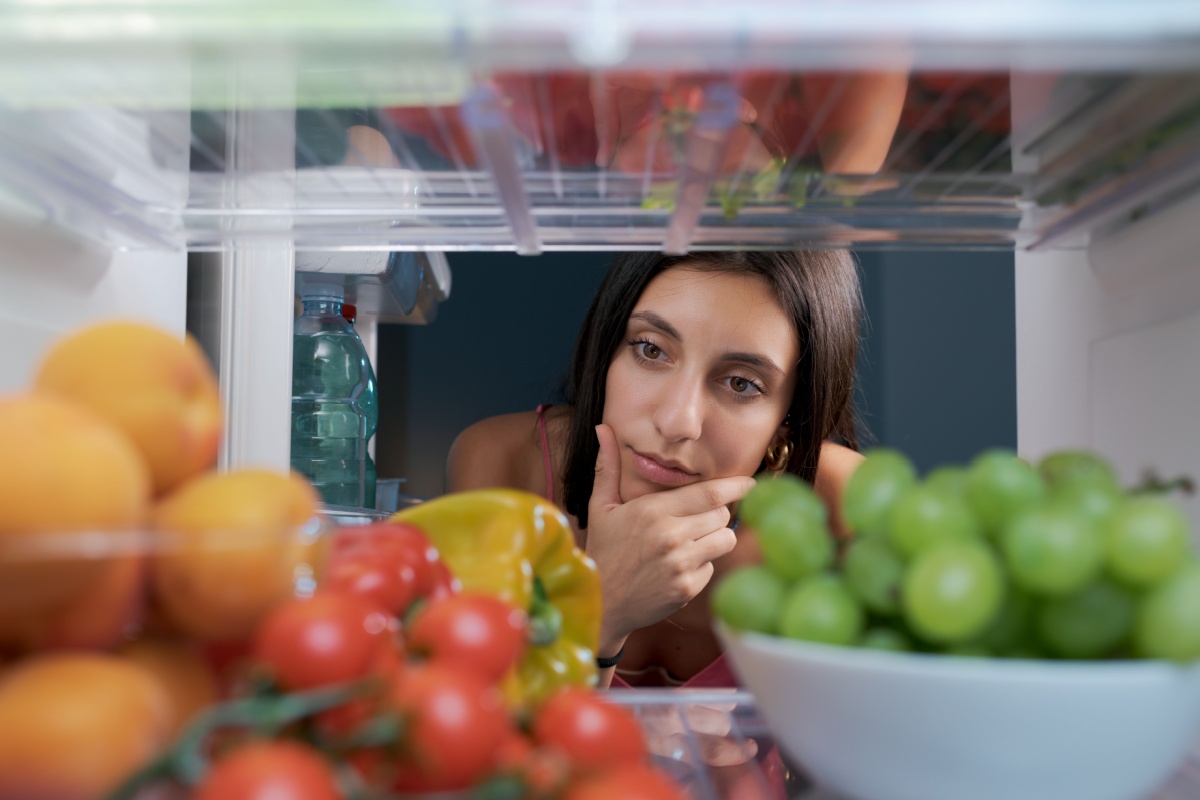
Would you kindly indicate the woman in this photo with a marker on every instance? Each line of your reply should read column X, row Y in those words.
column 690, row 375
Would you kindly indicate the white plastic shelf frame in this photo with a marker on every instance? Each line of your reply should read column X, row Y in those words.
column 596, row 124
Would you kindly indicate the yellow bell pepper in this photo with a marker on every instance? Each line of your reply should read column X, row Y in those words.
column 520, row 547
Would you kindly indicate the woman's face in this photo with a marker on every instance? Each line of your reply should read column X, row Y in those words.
column 702, row 381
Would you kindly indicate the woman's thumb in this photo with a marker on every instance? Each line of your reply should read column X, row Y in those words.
column 606, row 487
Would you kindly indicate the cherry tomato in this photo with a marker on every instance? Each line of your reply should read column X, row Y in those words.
column 231, row 662
column 269, row 770
column 553, row 111
column 513, row 751
column 591, row 731
column 346, row 719
column 541, row 771
column 455, row 721
column 628, row 782
column 406, row 542
column 386, row 577
column 478, row 631
column 442, row 582
column 325, row 639
column 340, row 724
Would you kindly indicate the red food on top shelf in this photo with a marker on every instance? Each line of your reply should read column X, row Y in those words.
column 442, row 128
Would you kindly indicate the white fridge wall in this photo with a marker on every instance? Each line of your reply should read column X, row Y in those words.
column 52, row 284
column 1108, row 349
column 1145, row 401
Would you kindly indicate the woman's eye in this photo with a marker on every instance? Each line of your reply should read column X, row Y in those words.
column 743, row 385
column 651, row 351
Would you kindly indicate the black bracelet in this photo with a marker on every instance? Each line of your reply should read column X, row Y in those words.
column 605, row 663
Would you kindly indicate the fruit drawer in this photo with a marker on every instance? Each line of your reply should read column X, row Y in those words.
column 718, row 746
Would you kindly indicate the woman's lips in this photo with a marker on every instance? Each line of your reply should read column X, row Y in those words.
column 654, row 472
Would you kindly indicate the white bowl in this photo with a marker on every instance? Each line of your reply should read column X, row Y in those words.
column 873, row 725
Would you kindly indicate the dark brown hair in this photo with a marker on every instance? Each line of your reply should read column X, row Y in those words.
column 819, row 290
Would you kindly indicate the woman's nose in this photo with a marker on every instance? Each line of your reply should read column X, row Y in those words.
column 679, row 414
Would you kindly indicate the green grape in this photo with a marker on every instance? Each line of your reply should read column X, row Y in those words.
column 968, row 650
column 794, row 544
column 821, row 609
column 924, row 516
column 952, row 591
column 1089, row 623
column 1000, row 486
column 872, row 489
column 771, row 491
column 1092, row 499
column 1146, row 540
column 1052, row 550
column 881, row 638
column 1168, row 619
column 1070, row 466
column 874, row 572
column 949, row 478
column 750, row 599
column 1026, row 651
column 1012, row 626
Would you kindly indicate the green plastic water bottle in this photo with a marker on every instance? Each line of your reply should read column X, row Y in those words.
column 332, row 389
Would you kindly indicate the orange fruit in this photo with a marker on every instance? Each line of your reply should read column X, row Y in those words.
column 65, row 471
column 180, row 669
column 73, row 726
column 233, row 549
column 156, row 387
column 104, row 612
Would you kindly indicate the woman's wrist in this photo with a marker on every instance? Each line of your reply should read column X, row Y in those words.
column 609, row 662
column 610, row 651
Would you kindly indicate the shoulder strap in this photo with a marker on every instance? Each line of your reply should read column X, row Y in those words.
column 546, row 462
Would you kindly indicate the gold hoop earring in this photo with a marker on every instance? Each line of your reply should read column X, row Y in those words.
column 778, row 453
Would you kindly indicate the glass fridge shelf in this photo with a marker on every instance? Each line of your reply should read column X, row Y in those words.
column 611, row 159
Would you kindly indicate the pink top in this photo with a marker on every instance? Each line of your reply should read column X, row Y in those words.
column 716, row 675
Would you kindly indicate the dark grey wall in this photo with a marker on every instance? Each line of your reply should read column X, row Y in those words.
column 500, row 344
column 937, row 374
column 939, row 364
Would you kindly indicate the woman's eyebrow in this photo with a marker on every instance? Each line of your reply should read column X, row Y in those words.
column 656, row 321
column 755, row 360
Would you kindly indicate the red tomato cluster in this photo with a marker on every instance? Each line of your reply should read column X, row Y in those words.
column 627, row 121
column 639, row 122
column 431, row 717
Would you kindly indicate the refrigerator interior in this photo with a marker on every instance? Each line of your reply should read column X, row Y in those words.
column 258, row 141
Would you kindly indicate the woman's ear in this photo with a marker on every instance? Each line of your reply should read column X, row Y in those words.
column 784, row 432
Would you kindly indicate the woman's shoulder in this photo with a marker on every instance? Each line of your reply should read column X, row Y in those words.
column 834, row 468
column 838, row 461
column 504, row 450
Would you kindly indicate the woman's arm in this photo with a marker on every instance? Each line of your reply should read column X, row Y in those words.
column 492, row 453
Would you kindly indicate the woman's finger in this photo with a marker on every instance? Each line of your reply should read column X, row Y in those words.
column 713, row 545
column 696, row 498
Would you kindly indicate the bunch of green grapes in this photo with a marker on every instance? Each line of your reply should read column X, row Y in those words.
column 994, row 558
